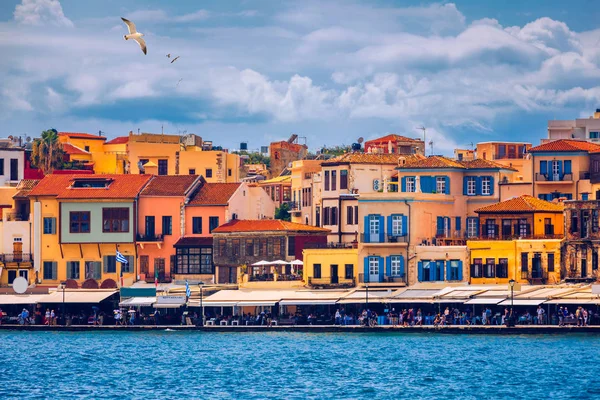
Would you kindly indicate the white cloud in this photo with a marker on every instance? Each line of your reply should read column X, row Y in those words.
column 41, row 12
column 133, row 89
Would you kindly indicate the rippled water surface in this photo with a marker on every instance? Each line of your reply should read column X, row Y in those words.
column 296, row 365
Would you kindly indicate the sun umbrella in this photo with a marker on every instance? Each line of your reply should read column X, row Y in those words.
column 278, row 262
column 297, row 262
column 259, row 263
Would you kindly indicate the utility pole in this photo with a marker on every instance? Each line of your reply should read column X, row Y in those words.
column 424, row 139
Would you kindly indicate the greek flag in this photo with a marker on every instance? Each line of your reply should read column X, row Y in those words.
column 121, row 258
column 188, row 292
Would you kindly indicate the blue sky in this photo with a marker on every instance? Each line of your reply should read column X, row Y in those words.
column 331, row 72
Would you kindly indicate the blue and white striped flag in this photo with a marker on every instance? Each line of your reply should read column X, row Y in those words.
column 188, row 292
column 121, row 258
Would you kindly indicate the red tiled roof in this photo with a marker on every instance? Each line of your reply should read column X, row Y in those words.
column 79, row 135
column 121, row 187
column 168, row 185
column 393, row 137
column 25, row 187
column 194, row 241
column 522, row 204
column 368, row 158
column 266, row 225
column 73, row 150
column 430, row 162
column 118, row 140
column 480, row 163
column 566, row 145
column 214, row 194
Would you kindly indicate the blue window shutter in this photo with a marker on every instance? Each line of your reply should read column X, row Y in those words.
column 388, row 265
column 449, row 223
column 381, row 267
column 567, row 166
column 433, row 270
column 584, row 196
column 401, row 265
column 420, row 271
column 465, row 184
column 460, row 270
column 389, row 225
column 367, row 230
column 381, row 229
column 403, row 189
column 423, row 181
column 366, row 270
column 448, row 277
column 477, row 225
column 457, row 227
column 427, row 184
column 440, row 225
column 543, row 167
column 404, row 225
column 491, row 185
column 560, row 169
column 447, row 184
column 478, row 186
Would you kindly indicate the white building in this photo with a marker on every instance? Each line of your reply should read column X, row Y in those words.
column 578, row 129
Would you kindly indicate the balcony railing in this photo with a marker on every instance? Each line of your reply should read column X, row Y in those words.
column 534, row 275
column 330, row 245
column 497, row 236
column 149, row 238
column 386, row 279
column 553, row 177
column 583, row 175
column 271, row 277
column 16, row 217
column 16, row 257
column 375, row 238
column 327, row 281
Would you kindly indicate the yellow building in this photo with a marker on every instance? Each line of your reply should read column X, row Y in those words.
column 518, row 239
column 331, row 267
column 305, row 187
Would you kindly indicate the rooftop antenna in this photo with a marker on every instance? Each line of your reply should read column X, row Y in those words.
column 431, row 145
column 138, row 131
column 100, row 133
column 422, row 128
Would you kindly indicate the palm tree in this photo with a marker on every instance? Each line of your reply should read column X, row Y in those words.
column 47, row 152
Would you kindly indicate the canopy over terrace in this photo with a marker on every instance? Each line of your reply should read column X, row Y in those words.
column 91, row 296
column 268, row 298
column 579, row 297
column 360, row 296
column 536, row 295
column 8, row 299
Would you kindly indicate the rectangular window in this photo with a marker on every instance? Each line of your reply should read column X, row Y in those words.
column 317, row 270
column 523, row 232
column 192, row 171
column 115, row 220
column 334, row 216
column 1, row 166
column 373, row 225
column 213, row 223
column 477, row 268
column 490, row 268
column 396, row 225
column 524, row 262
column 235, row 248
column 334, row 180
column 249, row 247
column 110, row 264
column 349, row 215
column 440, row 184
column 144, row 265
column 410, row 184
column 208, row 173
column 73, row 270
column 277, row 246
column 291, row 246
column 223, row 248
column 373, row 269
column 453, row 270
column 506, row 228
column 326, row 180
column 502, row 268
column 50, row 272
column 471, row 186
column 355, row 214
column 326, row 215
column 344, row 179
column 93, row 270
column 197, row 225
column 551, row 261
column 349, row 271
column 396, row 265
column 229, row 172
column 490, row 227
column 472, row 227
column 167, row 225
column 194, row 260
column 486, row 186
column 594, row 221
column 594, row 135
column 163, row 167
column 49, row 225
column 150, row 225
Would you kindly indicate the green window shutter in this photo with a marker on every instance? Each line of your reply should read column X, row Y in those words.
column 54, row 270
column 105, row 264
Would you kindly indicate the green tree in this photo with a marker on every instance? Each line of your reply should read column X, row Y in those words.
column 283, row 212
column 47, row 152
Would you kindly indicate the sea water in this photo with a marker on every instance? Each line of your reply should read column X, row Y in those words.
column 260, row 365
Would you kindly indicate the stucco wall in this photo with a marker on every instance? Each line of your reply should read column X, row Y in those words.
column 96, row 235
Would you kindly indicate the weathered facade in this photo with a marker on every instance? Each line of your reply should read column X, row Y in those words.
column 582, row 244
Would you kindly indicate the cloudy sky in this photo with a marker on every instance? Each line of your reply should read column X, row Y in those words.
column 258, row 71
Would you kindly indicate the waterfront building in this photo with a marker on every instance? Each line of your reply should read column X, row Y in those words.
column 582, row 240
column 79, row 223
column 518, row 239
column 306, row 179
column 330, row 267
column 561, row 170
column 241, row 243
column 395, row 144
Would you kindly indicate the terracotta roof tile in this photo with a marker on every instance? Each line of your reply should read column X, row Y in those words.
column 25, row 187
column 169, row 185
column 393, row 137
column 79, row 135
column 121, row 186
column 566, row 145
column 430, row 162
column 73, row 150
column 368, row 158
column 214, row 194
column 118, row 140
column 480, row 163
column 266, row 225
column 522, row 204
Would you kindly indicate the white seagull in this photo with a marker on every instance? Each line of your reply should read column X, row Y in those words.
column 175, row 59
column 134, row 34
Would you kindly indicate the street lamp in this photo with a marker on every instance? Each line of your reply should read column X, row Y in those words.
column 63, row 287
column 200, row 284
column 511, row 283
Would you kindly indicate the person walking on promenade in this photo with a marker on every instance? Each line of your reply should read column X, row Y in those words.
column 578, row 317
column 419, row 321
column 47, row 320
column 540, row 315
column 269, row 319
column 585, row 316
column 52, row 317
column 561, row 317
column 437, row 320
column 338, row 317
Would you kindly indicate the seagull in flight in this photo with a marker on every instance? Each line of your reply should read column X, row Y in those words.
column 134, row 34
column 175, row 59
column 178, row 82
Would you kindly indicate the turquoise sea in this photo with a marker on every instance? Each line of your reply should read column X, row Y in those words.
column 259, row 365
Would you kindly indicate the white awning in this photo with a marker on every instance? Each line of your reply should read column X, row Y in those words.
column 138, row 302
column 569, row 301
column 524, row 302
column 213, row 303
column 485, row 300
column 21, row 298
column 305, row 302
column 256, row 303
column 166, row 305
column 78, row 296
column 169, row 301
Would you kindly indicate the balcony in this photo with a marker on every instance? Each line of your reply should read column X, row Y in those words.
column 535, row 276
column 16, row 258
column 453, row 238
column 331, row 245
column 149, row 239
column 295, row 207
column 584, row 175
column 554, row 178
column 401, row 279
column 16, row 217
column 329, row 283
column 375, row 239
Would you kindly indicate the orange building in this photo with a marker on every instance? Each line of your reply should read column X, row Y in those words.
column 395, row 144
column 284, row 152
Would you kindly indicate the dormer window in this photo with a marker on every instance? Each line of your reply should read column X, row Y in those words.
column 88, row 183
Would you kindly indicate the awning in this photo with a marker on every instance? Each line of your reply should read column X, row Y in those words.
column 524, row 302
column 486, row 300
column 256, row 303
column 77, row 296
column 138, row 302
column 397, row 300
column 169, row 301
column 21, row 298
column 305, row 302
column 570, row 301
column 167, row 305
column 213, row 303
